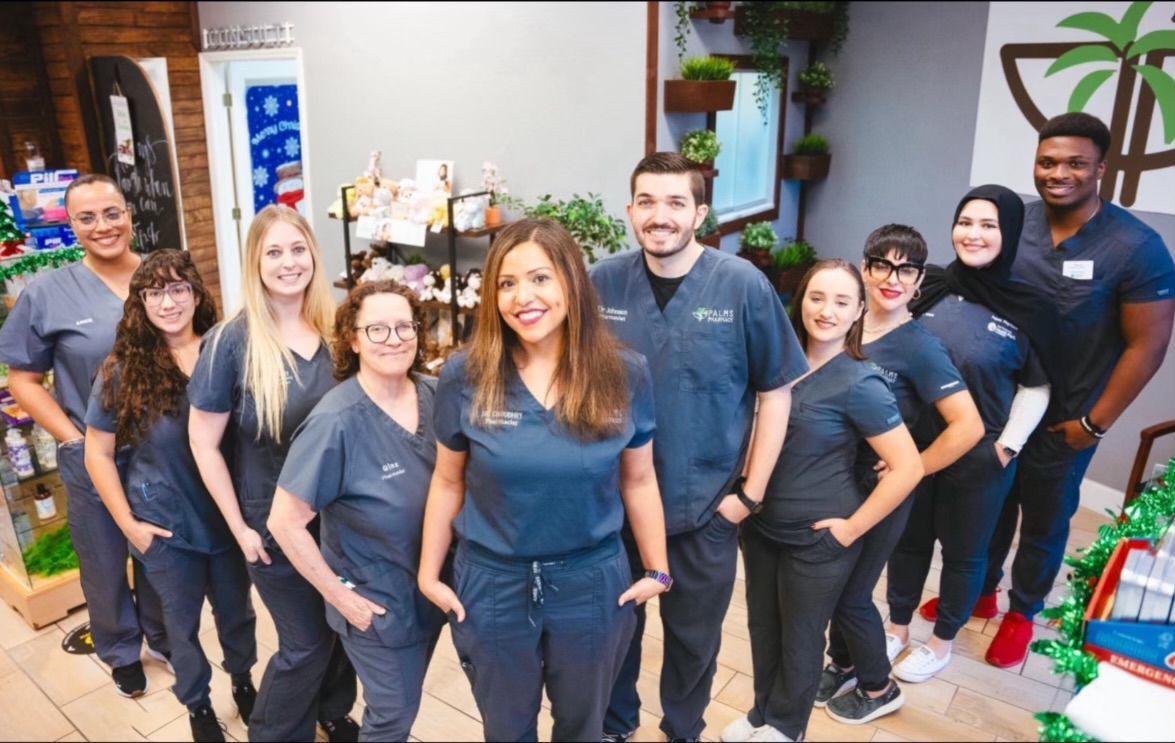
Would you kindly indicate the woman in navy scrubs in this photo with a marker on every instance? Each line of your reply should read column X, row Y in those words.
column 544, row 431
column 363, row 459
column 139, row 401
column 962, row 504
column 65, row 321
column 800, row 550
column 259, row 375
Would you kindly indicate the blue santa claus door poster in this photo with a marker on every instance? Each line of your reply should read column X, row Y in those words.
column 275, row 144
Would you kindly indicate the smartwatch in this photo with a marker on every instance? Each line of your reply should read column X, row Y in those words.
column 662, row 578
column 753, row 506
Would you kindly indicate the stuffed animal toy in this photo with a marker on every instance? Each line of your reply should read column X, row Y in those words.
column 414, row 277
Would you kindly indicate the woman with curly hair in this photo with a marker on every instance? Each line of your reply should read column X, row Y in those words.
column 139, row 401
column 363, row 459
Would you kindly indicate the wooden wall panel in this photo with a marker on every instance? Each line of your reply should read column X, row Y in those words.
column 26, row 106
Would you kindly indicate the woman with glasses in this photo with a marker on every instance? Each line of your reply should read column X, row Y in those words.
column 363, row 459
column 65, row 321
column 139, row 402
column 920, row 373
column 260, row 374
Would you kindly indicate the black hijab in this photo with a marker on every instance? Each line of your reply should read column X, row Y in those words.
column 993, row 285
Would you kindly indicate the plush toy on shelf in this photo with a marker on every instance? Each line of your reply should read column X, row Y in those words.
column 469, row 214
column 470, row 294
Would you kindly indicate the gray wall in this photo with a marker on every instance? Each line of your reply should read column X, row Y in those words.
column 902, row 123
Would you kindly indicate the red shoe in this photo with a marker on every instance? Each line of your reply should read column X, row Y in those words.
column 987, row 607
column 1010, row 645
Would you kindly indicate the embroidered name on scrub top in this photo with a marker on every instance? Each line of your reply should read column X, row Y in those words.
column 86, row 321
column 392, row 469
column 615, row 314
column 509, row 418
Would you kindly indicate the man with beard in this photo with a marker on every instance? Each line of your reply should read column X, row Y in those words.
column 718, row 343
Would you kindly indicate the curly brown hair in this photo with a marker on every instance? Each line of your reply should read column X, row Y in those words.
column 345, row 359
column 151, row 383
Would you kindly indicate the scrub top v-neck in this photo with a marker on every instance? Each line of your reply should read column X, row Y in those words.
column 64, row 321
column 722, row 338
column 532, row 489
column 218, row 386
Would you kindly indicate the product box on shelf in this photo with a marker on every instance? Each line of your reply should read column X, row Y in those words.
column 1146, row 649
column 40, row 197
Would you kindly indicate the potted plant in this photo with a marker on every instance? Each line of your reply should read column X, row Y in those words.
column 586, row 219
column 705, row 86
column 815, row 82
column 791, row 263
column 496, row 185
column 809, row 161
column 707, row 234
column 701, row 146
column 756, row 243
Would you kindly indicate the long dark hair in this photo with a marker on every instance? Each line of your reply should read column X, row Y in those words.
column 151, row 383
column 853, row 339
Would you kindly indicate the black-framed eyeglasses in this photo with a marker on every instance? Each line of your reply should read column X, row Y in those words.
column 180, row 293
column 380, row 332
column 881, row 269
column 112, row 216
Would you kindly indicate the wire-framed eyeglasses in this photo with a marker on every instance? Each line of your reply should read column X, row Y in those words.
column 380, row 332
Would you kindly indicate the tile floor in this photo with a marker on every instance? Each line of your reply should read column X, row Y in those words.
column 49, row 695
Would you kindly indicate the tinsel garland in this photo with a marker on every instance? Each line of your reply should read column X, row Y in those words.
column 34, row 262
column 1148, row 517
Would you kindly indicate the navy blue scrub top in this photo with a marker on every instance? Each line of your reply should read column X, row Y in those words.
column 1113, row 259
column 833, row 410
column 218, row 386
column 992, row 355
column 369, row 478
column 532, row 489
column 64, row 321
column 722, row 338
column 162, row 484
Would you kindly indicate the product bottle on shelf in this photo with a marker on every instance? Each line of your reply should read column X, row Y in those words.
column 18, row 453
column 32, row 157
column 9, row 481
column 46, row 448
column 46, row 508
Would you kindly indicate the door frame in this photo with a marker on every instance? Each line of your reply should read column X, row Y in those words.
column 228, row 256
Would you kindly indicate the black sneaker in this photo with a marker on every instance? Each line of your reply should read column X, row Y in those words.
column 615, row 737
column 244, row 694
column 130, row 681
column 205, row 727
column 835, row 682
column 341, row 729
column 858, row 708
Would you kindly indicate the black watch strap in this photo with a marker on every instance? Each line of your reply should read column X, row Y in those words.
column 753, row 506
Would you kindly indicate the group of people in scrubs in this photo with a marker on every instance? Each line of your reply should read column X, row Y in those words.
column 606, row 437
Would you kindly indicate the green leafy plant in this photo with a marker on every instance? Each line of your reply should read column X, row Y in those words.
column 707, row 68
column 682, row 26
column 795, row 254
column 586, row 219
column 817, row 76
column 709, row 225
column 51, row 554
column 811, row 144
column 700, row 145
column 759, row 236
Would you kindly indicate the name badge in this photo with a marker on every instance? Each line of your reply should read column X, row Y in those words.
column 1082, row 270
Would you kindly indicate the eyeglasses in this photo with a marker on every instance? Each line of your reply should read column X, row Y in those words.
column 180, row 293
column 881, row 269
column 112, row 216
column 380, row 332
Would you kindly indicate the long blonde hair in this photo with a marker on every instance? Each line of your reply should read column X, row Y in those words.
column 266, row 357
column 591, row 374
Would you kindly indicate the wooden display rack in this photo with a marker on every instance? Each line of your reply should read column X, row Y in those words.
column 49, row 601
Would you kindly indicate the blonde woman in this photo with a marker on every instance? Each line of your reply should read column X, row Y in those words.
column 258, row 377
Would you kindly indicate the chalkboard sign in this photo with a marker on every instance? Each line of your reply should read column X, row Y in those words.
column 149, row 184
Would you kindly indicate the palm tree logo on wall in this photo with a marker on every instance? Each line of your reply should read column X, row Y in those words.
column 1129, row 57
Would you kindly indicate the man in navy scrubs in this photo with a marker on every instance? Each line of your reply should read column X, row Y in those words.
column 1114, row 283
column 718, row 344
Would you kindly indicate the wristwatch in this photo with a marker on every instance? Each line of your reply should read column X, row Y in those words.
column 754, row 506
column 1093, row 430
column 662, row 578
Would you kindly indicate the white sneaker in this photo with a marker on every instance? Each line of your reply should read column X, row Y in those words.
column 894, row 646
column 739, row 730
column 768, row 734
column 921, row 665
column 156, row 655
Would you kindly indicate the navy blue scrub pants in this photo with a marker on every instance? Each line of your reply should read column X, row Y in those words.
column 960, row 507
column 117, row 621
column 857, row 636
column 1047, row 492
column 703, row 564
column 393, row 680
column 791, row 594
column 552, row 621
column 182, row 579
column 309, row 678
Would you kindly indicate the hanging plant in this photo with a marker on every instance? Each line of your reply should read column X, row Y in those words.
column 681, row 27
column 767, row 32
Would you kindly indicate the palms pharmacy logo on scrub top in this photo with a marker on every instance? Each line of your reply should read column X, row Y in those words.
column 710, row 314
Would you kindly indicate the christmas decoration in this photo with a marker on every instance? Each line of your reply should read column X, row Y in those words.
column 1146, row 518
column 37, row 261
column 11, row 239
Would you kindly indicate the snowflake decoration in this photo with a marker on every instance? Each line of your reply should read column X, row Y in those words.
column 271, row 106
column 292, row 147
column 260, row 177
column 265, row 154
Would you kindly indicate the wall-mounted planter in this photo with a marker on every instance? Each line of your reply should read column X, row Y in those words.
column 802, row 25
column 715, row 12
column 810, row 96
column 713, row 240
column 698, row 96
column 787, row 280
column 806, row 167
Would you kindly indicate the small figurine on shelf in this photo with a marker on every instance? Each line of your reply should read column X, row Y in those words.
column 364, row 197
column 373, row 169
